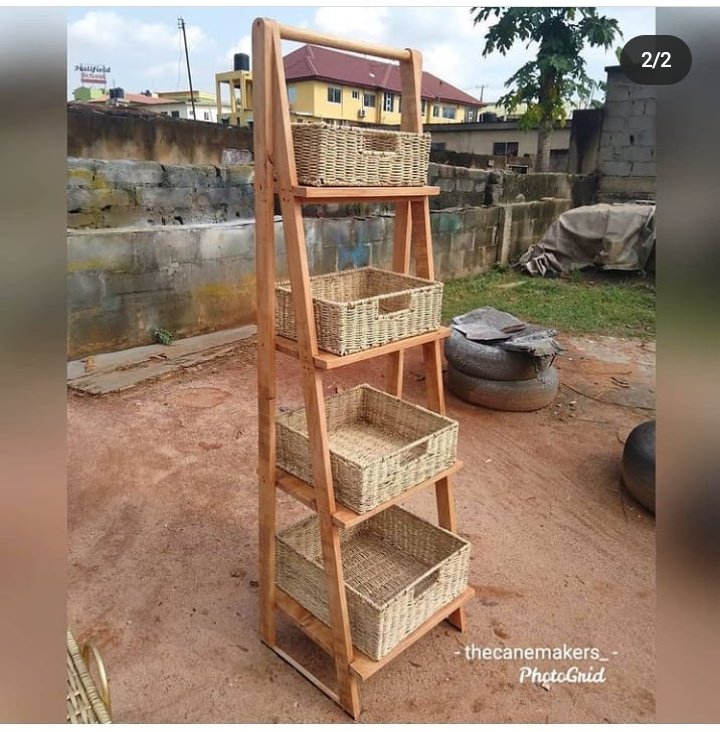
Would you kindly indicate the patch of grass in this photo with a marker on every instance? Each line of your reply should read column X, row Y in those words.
column 608, row 303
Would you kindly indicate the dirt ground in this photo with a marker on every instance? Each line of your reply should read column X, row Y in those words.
column 162, row 498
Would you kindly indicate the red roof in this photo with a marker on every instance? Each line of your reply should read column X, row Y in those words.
column 316, row 62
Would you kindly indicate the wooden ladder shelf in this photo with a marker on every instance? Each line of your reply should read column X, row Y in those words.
column 275, row 173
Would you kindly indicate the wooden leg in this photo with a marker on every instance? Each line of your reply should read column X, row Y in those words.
column 401, row 263
column 348, row 689
column 265, row 269
column 432, row 355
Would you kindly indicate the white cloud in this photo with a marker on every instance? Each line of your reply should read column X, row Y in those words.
column 108, row 30
column 364, row 24
column 96, row 29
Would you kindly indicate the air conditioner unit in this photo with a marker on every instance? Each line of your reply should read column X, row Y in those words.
column 362, row 112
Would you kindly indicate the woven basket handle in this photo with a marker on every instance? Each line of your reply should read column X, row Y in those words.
column 377, row 144
column 414, row 454
column 395, row 306
column 425, row 584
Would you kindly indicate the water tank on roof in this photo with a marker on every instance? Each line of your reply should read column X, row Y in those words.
column 116, row 93
column 241, row 62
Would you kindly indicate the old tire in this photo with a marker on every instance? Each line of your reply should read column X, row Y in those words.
column 638, row 464
column 488, row 362
column 507, row 396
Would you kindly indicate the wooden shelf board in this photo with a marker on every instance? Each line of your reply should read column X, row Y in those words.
column 317, row 194
column 314, row 628
column 344, row 516
column 362, row 665
column 325, row 360
column 299, row 489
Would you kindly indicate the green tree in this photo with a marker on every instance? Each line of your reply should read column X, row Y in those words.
column 557, row 73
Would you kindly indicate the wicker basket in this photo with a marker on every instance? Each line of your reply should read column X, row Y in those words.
column 327, row 155
column 363, row 308
column 398, row 571
column 85, row 705
column 379, row 445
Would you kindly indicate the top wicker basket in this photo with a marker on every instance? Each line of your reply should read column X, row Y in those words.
column 326, row 155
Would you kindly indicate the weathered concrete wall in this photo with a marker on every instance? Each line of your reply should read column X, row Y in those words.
column 585, row 141
column 117, row 134
column 627, row 143
column 125, row 282
column 104, row 193
column 471, row 187
column 172, row 246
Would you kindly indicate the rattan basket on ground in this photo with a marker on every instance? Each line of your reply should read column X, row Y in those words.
column 85, row 704
column 379, row 445
column 363, row 308
column 327, row 155
column 398, row 570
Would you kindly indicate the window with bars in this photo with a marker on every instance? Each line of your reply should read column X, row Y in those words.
column 334, row 94
column 388, row 101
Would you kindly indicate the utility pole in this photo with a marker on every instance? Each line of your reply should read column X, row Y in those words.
column 181, row 25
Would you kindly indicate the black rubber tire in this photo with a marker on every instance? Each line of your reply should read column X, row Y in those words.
column 638, row 464
column 489, row 362
column 506, row 396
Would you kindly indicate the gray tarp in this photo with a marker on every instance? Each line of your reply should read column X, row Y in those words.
column 609, row 236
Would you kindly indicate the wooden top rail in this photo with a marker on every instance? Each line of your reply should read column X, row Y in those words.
column 301, row 35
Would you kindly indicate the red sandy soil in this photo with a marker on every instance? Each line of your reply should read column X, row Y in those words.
column 162, row 499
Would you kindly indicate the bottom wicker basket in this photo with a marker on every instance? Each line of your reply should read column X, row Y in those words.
column 85, row 704
column 399, row 570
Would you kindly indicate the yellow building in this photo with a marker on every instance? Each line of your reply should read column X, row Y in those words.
column 327, row 85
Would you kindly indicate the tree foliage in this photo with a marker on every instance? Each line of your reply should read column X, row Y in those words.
column 557, row 73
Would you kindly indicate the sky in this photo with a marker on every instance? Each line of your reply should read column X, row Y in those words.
column 142, row 46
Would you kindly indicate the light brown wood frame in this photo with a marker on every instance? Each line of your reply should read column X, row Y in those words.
column 275, row 173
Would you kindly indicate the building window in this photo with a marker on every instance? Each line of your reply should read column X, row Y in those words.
column 334, row 94
column 356, row 94
column 369, row 100
column 206, row 115
column 292, row 94
column 469, row 114
column 448, row 112
column 423, row 106
column 436, row 110
column 506, row 148
column 388, row 101
column 175, row 113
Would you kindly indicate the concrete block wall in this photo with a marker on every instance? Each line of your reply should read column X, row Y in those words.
column 199, row 275
column 626, row 155
column 123, row 283
column 106, row 193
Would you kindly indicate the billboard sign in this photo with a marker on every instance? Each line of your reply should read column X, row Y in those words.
column 93, row 73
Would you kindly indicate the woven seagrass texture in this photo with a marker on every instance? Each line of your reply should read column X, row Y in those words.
column 84, row 705
column 398, row 570
column 379, row 445
column 327, row 155
column 363, row 308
